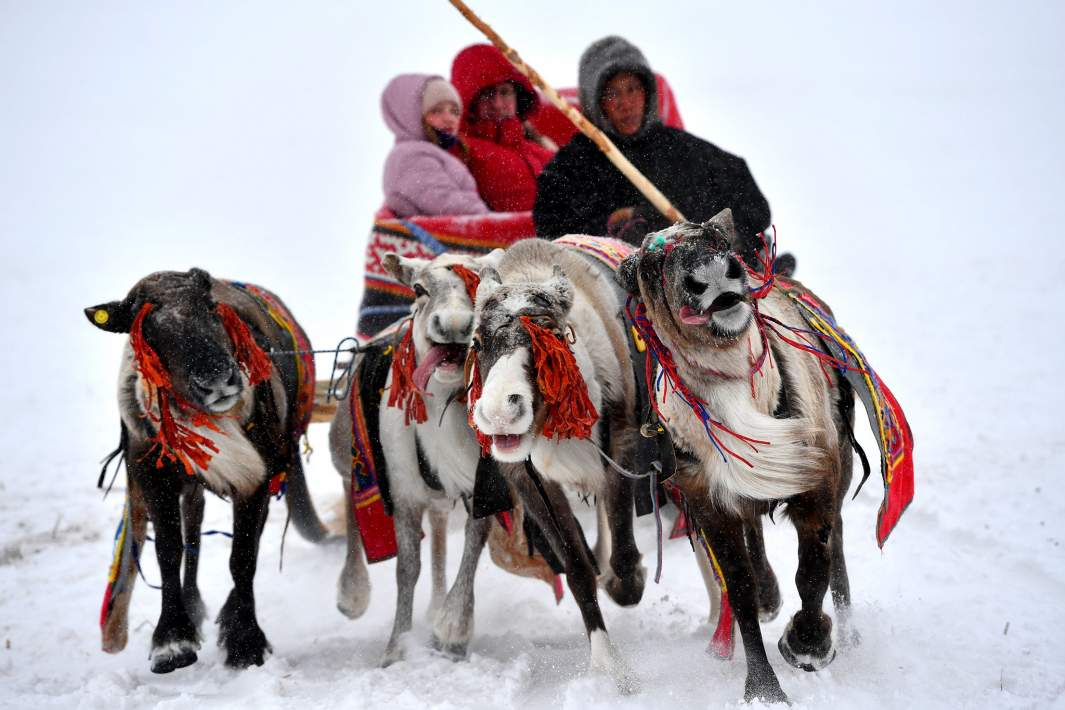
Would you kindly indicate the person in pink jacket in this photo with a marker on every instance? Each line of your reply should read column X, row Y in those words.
column 421, row 176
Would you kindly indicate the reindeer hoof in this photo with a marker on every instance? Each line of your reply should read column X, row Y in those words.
column 174, row 655
column 248, row 650
column 353, row 594
column 807, row 643
column 626, row 590
column 393, row 654
column 769, row 602
column 766, row 690
column 606, row 659
column 456, row 651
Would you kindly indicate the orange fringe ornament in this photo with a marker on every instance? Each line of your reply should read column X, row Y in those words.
column 469, row 278
column 570, row 413
column 176, row 441
column 255, row 363
column 474, row 388
column 403, row 392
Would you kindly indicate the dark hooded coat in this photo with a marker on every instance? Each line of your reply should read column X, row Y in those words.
column 580, row 188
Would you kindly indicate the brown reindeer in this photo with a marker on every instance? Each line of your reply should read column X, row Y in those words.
column 756, row 423
column 204, row 405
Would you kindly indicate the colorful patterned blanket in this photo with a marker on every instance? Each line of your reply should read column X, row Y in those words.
column 886, row 417
column 384, row 299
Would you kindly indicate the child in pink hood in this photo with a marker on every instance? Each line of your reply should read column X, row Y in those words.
column 421, row 176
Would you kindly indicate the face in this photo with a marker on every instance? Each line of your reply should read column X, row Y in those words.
column 497, row 103
column 442, row 312
column 691, row 272
column 623, row 103
column 510, row 408
column 186, row 332
column 444, row 117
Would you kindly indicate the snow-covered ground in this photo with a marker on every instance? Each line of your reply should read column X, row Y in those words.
column 912, row 157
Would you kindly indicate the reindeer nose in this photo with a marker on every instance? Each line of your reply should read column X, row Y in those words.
column 451, row 327
column 207, row 384
column 693, row 286
column 516, row 406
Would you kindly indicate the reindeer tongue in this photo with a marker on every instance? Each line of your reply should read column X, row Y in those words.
column 437, row 354
column 690, row 316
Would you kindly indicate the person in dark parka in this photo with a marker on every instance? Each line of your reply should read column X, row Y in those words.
column 581, row 192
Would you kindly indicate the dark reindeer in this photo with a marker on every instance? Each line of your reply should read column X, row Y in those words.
column 546, row 298
column 693, row 290
column 203, row 405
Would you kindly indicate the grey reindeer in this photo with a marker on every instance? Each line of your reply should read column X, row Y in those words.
column 442, row 325
column 698, row 297
column 561, row 293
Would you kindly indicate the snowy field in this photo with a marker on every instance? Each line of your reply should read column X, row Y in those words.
column 912, row 157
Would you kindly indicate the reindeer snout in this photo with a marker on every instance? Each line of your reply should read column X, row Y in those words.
column 506, row 402
column 217, row 390
column 451, row 326
column 504, row 413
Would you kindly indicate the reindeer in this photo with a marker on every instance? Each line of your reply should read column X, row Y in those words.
column 550, row 384
column 431, row 457
column 203, row 406
column 756, row 422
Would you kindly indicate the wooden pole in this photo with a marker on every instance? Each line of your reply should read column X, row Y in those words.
column 645, row 186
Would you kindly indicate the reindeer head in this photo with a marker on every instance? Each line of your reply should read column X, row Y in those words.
column 692, row 281
column 516, row 324
column 177, row 318
column 442, row 311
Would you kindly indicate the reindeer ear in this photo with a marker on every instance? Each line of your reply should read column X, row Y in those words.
column 401, row 267
column 491, row 259
column 114, row 317
column 490, row 282
column 724, row 223
column 560, row 290
column 201, row 278
column 626, row 274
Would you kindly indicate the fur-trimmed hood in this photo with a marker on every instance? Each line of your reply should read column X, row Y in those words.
column 599, row 63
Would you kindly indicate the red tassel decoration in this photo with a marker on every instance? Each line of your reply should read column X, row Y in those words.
column 176, row 441
column 474, row 389
column 403, row 392
column 469, row 278
column 251, row 357
column 570, row 413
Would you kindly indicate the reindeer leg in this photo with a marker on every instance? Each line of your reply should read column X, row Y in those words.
column 807, row 640
column 769, row 600
column 564, row 535
column 353, row 585
column 626, row 578
column 438, row 557
column 175, row 639
column 238, row 629
column 192, row 505
column 724, row 532
column 453, row 626
column 839, row 580
column 408, row 521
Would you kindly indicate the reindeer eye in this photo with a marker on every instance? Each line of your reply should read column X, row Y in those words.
column 420, row 291
column 475, row 344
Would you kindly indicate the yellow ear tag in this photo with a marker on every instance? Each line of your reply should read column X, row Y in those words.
column 101, row 316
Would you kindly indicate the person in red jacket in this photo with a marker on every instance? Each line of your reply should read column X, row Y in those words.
column 501, row 154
